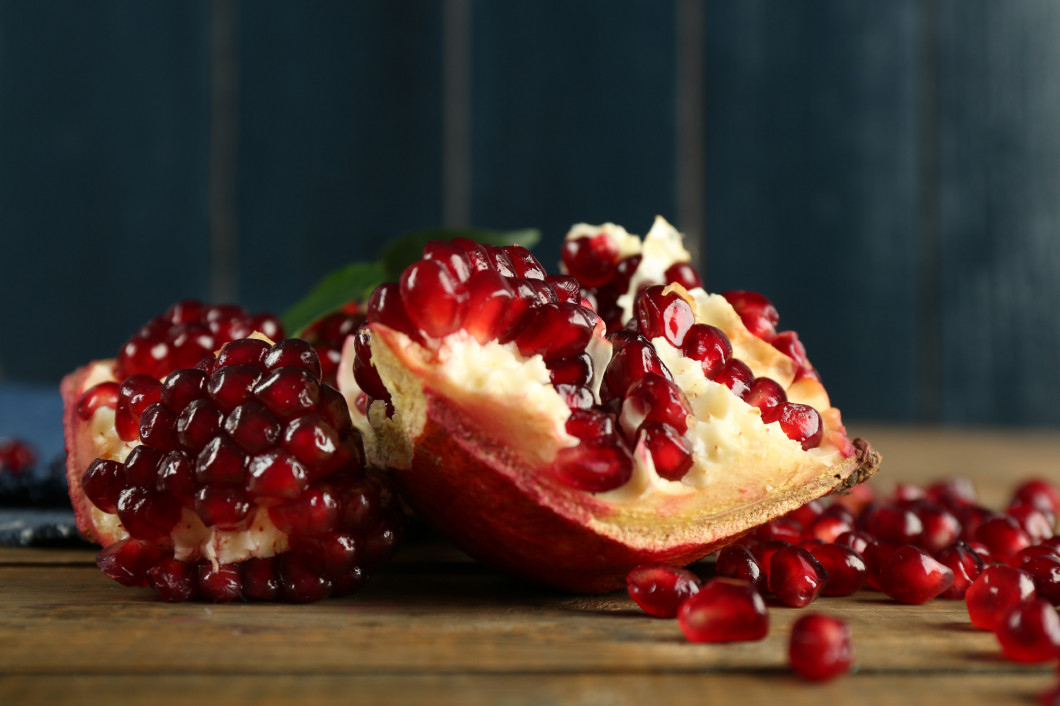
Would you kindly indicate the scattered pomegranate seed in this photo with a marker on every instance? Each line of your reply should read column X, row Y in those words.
column 996, row 590
column 1045, row 572
column 796, row 578
column 911, row 575
column 737, row 562
column 1030, row 632
column 821, row 647
column 966, row 565
column 845, row 568
column 16, row 456
column 666, row 315
column 660, row 589
column 1003, row 536
column 591, row 260
column 724, row 610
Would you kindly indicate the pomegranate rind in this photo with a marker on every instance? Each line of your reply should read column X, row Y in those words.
column 488, row 486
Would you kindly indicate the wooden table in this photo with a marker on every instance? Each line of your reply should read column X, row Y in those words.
column 436, row 628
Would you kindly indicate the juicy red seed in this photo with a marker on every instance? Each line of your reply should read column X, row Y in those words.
column 846, row 569
column 295, row 353
column 476, row 253
column 245, row 351
column 821, row 647
column 364, row 371
column 683, row 274
column 671, row 453
column 736, row 376
column 138, row 392
column 857, row 540
column 806, row 513
column 966, row 566
column 796, row 577
column 828, row 528
column 105, row 394
column 148, row 514
column 666, row 315
column 1036, row 522
column 301, row 583
column 911, row 575
column 288, row 392
column 224, row 507
column 453, row 257
column 758, row 313
column 259, row 579
column 724, row 610
column 542, row 290
column 970, row 517
column 590, row 424
column 1045, row 572
column 577, row 370
column 521, row 311
column 252, row 427
column 128, row 561
column 184, row 312
column 996, row 590
column 268, row 325
column 174, row 580
column 1003, row 536
column 1033, row 552
column 435, row 301
column 182, row 387
column 765, row 393
column 939, row 527
column 789, row 344
column 500, row 261
column 1040, row 493
column 632, row 362
column 737, row 562
column 199, row 422
column 595, row 465
column 557, row 331
column 660, row 589
column 176, row 474
column 385, row 306
column 315, row 512
column 710, row 346
column 231, row 386
column 591, row 260
column 763, row 553
column 575, row 396
column 567, row 288
column 1029, row 632
column 158, row 428
column 334, row 410
column 141, row 466
column 526, row 265
column 221, row 462
column 102, row 483
column 276, row 475
column 311, row 440
column 781, row 529
column 490, row 298
column 219, row 585
column 891, row 524
column 653, row 398
column 800, row 422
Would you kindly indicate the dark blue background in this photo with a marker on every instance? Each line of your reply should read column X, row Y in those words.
column 887, row 172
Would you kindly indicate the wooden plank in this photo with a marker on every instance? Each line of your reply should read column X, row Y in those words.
column 103, row 142
column 339, row 137
column 811, row 189
column 573, row 116
column 1000, row 169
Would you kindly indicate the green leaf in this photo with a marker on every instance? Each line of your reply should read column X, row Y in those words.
column 407, row 248
column 352, row 282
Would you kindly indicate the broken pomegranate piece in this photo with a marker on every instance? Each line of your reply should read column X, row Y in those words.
column 569, row 441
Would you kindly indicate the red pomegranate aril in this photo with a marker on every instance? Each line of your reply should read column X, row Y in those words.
column 364, row 371
column 386, row 307
column 653, row 398
column 828, row 528
column 544, row 292
column 288, row 392
column 127, row 561
column 765, row 393
column 789, row 344
column 477, row 258
column 737, row 562
column 710, row 346
column 176, row 475
column 736, row 376
column 911, row 575
column 845, row 568
column 141, row 466
column 174, row 580
column 223, row 507
column 966, row 566
column 763, row 552
column 590, row 424
column 576, row 370
column 724, row 610
column 758, row 313
column 199, row 422
column 314, row 512
column 183, row 386
column 245, row 351
column 1045, row 572
column 276, row 475
column 666, row 315
column 1003, row 536
column 670, row 452
column 526, row 265
column 1039, row 492
column 232, row 385
column 105, row 394
column 147, row 513
column 452, row 256
column 158, row 428
column 1029, row 632
column 297, row 353
column 806, row 513
column 796, row 578
column 997, row 589
column 595, row 465
column 567, row 288
column 660, row 589
column 939, row 527
column 857, row 540
column 634, row 360
column 895, row 525
column 683, row 274
column 220, row 584
column 311, row 440
column 301, row 583
column 500, row 261
column 557, row 331
column 951, row 493
column 782, row 529
column 252, row 427
column 821, row 647
column 220, row 462
column 183, row 312
column 259, row 579
column 907, row 493
column 591, row 260
column 103, row 482
column 1036, row 522
column 800, row 422
column 971, row 516
column 876, row 555
column 490, row 298
column 575, row 396
column 137, row 393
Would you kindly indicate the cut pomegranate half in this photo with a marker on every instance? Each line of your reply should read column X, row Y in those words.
column 636, row 457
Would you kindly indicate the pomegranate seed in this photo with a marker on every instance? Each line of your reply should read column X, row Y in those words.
column 259, row 579
column 297, row 353
column 828, row 528
column 710, row 346
column 907, row 493
column 1036, row 522
column 724, row 610
column 1033, row 552
column 876, row 555
column 577, row 370
column 158, row 428
column 735, row 561
column 660, row 589
column 765, row 393
column 796, row 577
column 176, row 475
column 996, row 590
column 500, row 261
column 232, row 385
column 128, row 561
column 224, row 507
column 1045, row 572
column 557, row 331
column 763, row 553
column 364, row 371
column 567, row 288
column 385, row 306
column 800, row 423
column 276, row 475
column 434, row 300
column 1040, row 493
column 911, row 575
column 476, row 253
column 939, row 527
column 1029, row 632
column 311, row 440
column 631, row 362
column 146, row 513
column 589, row 424
column 105, row 394
column 299, row 582
column 252, row 427
column 821, row 647
column 782, row 529
column 174, row 580
column 789, row 344
column 591, row 260
column 221, row 584
column 220, row 462
column 736, row 376
column 856, row 540
column 951, row 493
column 199, row 422
column 1003, row 536
column 966, row 565
column 490, row 299
column 245, row 351
column 575, row 396
column 103, row 482
column 892, row 524
column 758, row 313
column 452, row 256
column 683, row 274
column 182, row 387
column 595, row 465
column 526, row 265
column 845, row 568
column 670, row 452
column 806, row 513
column 653, row 398
column 970, row 517
column 141, row 466
column 666, row 315
column 315, row 512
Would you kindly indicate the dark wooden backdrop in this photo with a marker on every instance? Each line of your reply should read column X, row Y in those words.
column 887, row 172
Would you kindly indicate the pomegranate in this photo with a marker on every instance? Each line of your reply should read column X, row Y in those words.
column 240, row 477
column 821, row 647
column 567, row 442
column 724, row 610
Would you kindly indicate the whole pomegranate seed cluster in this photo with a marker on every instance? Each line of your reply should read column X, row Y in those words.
column 917, row 545
column 245, row 449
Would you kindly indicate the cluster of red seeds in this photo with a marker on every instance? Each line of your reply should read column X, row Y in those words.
column 936, row 542
column 328, row 335
column 250, row 430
